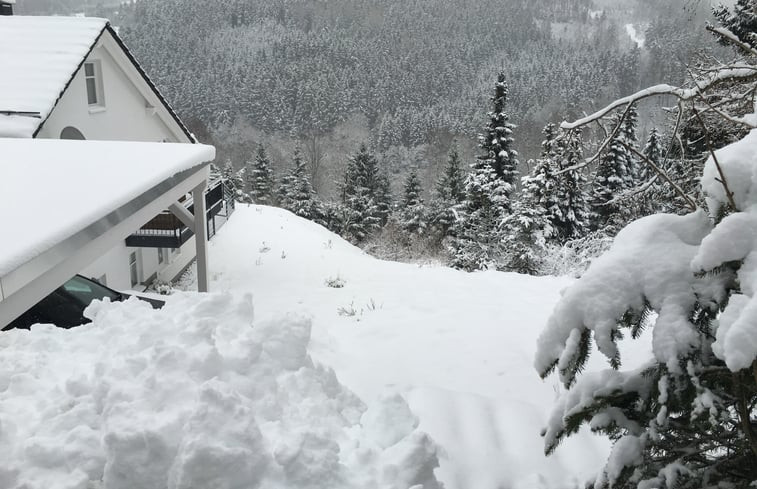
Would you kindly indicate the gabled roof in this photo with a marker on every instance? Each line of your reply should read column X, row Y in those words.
column 39, row 57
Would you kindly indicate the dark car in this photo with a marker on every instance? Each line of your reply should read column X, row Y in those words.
column 65, row 306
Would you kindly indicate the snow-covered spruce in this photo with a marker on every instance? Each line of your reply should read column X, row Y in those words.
column 685, row 419
column 195, row 395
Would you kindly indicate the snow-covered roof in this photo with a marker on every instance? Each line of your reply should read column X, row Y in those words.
column 51, row 189
column 39, row 56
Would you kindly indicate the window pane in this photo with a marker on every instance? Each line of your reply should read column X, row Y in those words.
column 91, row 91
column 89, row 69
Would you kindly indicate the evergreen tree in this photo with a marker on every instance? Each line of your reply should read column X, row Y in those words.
column 633, row 174
column 528, row 227
column 478, row 233
column 612, row 178
column 261, row 179
column 741, row 21
column 653, row 151
column 574, row 218
column 451, row 185
column 383, row 198
column 477, row 236
column 496, row 142
column 550, row 145
column 450, row 193
column 364, row 195
column 412, row 212
column 296, row 193
column 234, row 180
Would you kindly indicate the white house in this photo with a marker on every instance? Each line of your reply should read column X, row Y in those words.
column 73, row 78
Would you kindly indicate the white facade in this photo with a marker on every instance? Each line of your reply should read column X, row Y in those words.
column 127, row 110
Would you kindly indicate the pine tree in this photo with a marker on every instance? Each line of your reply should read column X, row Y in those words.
column 451, row 185
column 412, row 211
column 296, row 193
column 234, row 180
column 613, row 177
column 365, row 197
column 633, row 170
column 574, row 219
column 528, row 227
column 450, row 193
column 261, row 179
column 478, row 233
column 653, row 152
column 741, row 21
column 496, row 142
column 477, row 236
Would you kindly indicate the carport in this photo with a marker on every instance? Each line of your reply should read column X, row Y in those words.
column 65, row 203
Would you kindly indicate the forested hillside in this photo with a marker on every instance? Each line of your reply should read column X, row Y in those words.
column 408, row 76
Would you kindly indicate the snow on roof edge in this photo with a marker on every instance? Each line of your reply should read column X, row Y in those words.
column 73, row 190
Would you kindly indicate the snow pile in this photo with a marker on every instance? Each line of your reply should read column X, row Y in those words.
column 458, row 346
column 195, row 395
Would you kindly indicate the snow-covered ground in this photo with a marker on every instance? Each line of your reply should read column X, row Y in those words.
column 205, row 394
column 458, row 346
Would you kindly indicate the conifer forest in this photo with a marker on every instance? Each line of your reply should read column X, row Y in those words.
column 427, row 128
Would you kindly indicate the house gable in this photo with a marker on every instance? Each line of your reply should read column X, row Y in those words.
column 130, row 109
column 43, row 76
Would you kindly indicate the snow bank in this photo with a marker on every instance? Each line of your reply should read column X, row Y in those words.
column 195, row 395
column 458, row 346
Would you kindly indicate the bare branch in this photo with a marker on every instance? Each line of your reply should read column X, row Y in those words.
column 662, row 174
column 723, row 181
column 739, row 71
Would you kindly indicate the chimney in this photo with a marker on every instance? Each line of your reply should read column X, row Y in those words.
column 6, row 7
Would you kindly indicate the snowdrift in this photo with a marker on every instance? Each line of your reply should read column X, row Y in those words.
column 196, row 395
column 205, row 394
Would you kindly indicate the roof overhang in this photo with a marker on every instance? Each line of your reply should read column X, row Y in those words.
column 38, row 262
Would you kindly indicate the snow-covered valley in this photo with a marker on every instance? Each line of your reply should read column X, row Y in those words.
column 204, row 393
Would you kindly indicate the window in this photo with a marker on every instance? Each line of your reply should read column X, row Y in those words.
column 93, row 80
column 70, row 132
column 133, row 271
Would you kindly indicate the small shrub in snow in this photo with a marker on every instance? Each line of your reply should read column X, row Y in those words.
column 335, row 282
column 372, row 306
column 574, row 257
column 348, row 311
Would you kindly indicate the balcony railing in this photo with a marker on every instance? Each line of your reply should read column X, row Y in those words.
column 166, row 230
